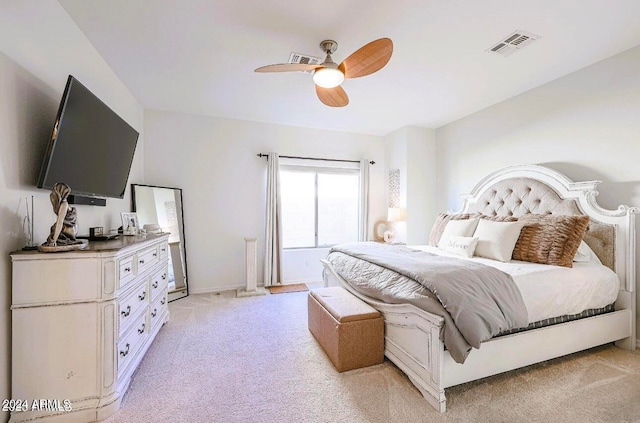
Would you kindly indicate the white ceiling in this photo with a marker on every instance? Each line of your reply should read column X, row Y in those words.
column 198, row 56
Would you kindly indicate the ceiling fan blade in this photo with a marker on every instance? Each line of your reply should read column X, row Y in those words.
column 334, row 97
column 368, row 59
column 288, row 67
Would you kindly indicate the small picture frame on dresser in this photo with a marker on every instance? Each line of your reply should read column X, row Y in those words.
column 96, row 232
column 129, row 223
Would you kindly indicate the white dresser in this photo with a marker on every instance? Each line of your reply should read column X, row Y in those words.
column 81, row 323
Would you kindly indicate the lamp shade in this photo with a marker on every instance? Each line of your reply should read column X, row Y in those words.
column 396, row 214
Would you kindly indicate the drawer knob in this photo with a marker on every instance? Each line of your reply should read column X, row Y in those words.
column 163, row 301
column 154, row 284
column 127, row 269
column 127, row 312
column 126, row 351
column 141, row 330
column 155, row 254
column 142, row 296
column 154, row 312
column 141, row 261
column 164, row 276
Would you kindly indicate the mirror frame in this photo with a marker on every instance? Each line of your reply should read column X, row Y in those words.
column 179, row 295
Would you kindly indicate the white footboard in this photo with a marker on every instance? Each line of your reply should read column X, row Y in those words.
column 412, row 341
column 413, row 344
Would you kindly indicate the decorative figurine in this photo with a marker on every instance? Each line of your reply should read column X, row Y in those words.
column 63, row 233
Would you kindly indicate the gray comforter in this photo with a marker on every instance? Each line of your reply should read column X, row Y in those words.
column 476, row 301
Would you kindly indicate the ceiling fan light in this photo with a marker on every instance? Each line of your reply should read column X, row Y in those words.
column 328, row 77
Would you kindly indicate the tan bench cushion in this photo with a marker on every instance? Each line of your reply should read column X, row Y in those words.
column 343, row 305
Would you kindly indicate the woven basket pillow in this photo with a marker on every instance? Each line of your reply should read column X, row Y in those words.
column 550, row 239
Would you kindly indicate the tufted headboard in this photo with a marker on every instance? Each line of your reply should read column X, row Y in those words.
column 519, row 196
column 523, row 189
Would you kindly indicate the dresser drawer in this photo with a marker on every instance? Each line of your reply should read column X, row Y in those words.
column 157, row 309
column 131, row 305
column 164, row 250
column 158, row 283
column 147, row 258
column 130, row 343
column 125, row 270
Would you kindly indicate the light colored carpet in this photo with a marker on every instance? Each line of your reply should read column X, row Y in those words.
column 283, row 289
column 227, row 359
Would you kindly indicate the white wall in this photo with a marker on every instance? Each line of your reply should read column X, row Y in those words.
column 215, row 162
column 585, row 125
column 39, row 47
column 421, row 190
column 412, row 150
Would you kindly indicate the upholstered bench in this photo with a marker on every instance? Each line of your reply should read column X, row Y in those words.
column 350, row 331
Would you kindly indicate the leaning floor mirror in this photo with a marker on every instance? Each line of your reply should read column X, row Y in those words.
column 160, row 208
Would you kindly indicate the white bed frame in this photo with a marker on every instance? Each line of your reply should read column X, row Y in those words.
column 412, row 339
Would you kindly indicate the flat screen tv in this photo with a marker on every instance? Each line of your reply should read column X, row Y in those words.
column 91, row 148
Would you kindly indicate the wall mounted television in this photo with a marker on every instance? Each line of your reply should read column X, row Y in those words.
column 91, row 148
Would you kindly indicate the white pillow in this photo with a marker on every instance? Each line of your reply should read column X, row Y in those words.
column 585, row 253
column 461, row 245
column 464, row 227
column 496, row 240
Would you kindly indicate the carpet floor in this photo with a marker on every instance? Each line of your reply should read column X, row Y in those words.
column 227, row 359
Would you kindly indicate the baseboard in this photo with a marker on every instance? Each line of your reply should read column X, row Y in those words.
column 216, row 289
column 311, row 280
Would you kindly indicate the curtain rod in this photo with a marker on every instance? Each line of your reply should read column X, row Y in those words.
column 315, row 158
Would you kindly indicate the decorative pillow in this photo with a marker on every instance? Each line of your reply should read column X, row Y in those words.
column 586, row 254
column 461, row 245
column 496, row 239
column 550, row 239
column 444, row 218
column 441, row 223
column 457, row 228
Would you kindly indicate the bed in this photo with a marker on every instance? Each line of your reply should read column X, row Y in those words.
column 413, row 336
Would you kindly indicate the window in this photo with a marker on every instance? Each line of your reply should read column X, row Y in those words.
column 320, row 206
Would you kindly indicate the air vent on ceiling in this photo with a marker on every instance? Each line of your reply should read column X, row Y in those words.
column 304, row 59
column 514, row 42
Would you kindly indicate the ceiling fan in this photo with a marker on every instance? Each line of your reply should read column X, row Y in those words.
column 328, row 75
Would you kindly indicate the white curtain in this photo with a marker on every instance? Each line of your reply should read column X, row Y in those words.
column 363, row 233
column 273, row 236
